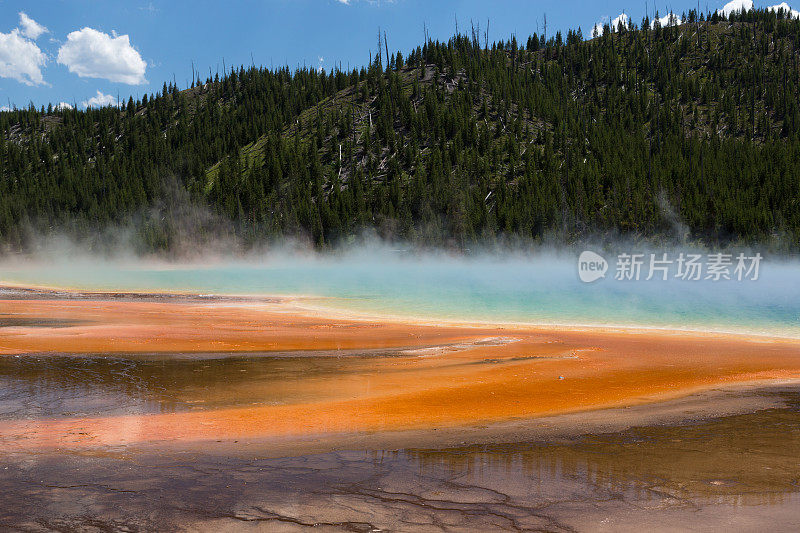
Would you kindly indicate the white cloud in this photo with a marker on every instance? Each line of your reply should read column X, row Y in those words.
column 4, row 108
column 786, row 8
column 735, row 6
column 21, row 59
column 600, row 26
column 373, row 2
column 670, row 19
column 93, row 54
column 63, row 105
column 100, row 100
column 623, row 18
column 29, row 27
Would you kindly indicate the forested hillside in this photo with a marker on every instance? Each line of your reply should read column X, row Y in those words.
column 690, row 131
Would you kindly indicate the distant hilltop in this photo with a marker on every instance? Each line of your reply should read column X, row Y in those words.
column 688, row 130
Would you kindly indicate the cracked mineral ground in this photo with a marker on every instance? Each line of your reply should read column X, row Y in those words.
column 162, row 413
column 733, row 471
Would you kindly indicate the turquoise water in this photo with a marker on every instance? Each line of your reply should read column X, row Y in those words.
column 512, row 288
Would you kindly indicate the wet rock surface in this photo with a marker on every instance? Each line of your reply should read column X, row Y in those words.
column 738, row 472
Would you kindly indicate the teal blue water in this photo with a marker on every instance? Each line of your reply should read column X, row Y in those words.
column 513, row 288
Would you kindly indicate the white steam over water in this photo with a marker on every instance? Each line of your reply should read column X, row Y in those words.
column 541, row 288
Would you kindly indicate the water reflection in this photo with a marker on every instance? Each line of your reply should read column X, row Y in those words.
column 743, row 468
column 740, row 469
column 54, row 386
column 746, row 459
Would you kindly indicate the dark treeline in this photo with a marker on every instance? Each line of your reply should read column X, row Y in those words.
column 691, row 128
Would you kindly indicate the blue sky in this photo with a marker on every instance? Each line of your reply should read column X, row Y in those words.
column 91, row 51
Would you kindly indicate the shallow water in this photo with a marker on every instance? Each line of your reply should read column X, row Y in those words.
column 54, row 386
column 519, row 288
column 737, row 472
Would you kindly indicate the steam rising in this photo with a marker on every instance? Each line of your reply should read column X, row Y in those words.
column 182, row 245
column 496, row 284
